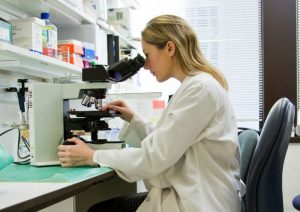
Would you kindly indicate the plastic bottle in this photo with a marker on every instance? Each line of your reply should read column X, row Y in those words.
column 49, row 36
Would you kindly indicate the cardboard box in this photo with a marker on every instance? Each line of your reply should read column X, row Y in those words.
column 89, row 51
column 5, row 31
column 120, row 16
column 75, row 46
column 27, row 33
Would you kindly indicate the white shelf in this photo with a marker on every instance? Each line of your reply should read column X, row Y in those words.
column 65, row 15
column 17, row 59
column 62, row 14
column 134, row 4
column 110, row 29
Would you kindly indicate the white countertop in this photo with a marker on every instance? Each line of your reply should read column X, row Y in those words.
column 16, row 192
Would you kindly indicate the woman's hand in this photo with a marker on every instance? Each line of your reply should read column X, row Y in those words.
column 121, row 107
column 79, row 154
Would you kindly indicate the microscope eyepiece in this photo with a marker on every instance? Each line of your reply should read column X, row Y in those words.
column 118, row 72
column 125, row 68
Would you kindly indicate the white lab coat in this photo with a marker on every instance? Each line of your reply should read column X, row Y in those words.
column 189, row 162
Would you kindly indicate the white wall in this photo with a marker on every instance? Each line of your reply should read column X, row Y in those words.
column 9, row 108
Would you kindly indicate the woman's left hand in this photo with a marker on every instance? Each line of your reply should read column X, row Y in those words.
column 79, row 154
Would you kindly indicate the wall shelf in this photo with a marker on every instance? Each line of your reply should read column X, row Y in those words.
column 62, row 14
column 134, row 4
column 20, row 60
column 65, row 15
column 111, row 30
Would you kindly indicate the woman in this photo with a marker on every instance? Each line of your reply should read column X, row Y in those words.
column 189, row 161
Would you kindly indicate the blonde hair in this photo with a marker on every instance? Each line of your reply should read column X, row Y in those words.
column 164, row 28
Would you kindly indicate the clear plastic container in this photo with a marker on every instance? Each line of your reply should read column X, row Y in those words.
column 49, row 36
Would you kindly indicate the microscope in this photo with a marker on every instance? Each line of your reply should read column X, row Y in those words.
column 91, row 121
column 52, row 121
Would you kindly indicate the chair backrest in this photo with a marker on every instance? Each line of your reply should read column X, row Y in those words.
column 247, row 139
column 264, row 179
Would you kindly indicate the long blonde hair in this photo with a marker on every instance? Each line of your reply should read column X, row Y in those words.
column 164, row 28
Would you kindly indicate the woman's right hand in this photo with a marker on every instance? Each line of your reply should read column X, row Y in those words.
column 121, row 107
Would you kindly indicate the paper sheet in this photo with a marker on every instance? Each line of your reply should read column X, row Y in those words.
column 5, row 157
column 55, row 174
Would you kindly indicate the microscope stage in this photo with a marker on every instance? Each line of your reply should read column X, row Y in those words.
column 94, row 113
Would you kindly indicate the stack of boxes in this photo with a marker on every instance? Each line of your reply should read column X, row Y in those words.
column 88, row 54
column 71, row 51
column 76, row 52
column 27, row 33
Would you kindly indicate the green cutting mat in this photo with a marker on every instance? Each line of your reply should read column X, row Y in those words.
column 55, row 174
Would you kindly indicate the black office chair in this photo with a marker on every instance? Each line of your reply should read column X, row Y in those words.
column 264, row 179
column 296, row 202
column 248, row 139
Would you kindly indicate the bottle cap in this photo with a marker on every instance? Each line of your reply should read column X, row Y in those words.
column 45, row 15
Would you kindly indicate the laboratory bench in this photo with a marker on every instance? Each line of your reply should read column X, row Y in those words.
column 28, row 188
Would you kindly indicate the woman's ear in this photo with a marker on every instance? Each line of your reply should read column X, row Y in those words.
column 171, row 48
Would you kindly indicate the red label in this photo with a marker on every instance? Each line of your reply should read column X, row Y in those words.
column 158, row 104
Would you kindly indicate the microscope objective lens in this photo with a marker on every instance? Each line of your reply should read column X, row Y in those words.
column 85, row 100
